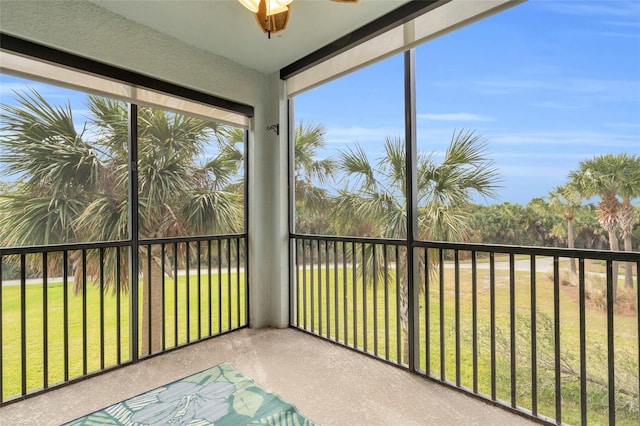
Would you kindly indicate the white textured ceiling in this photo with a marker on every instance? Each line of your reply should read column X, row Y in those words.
column 226, row 28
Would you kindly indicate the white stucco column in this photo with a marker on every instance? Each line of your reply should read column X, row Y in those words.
column 268, row 206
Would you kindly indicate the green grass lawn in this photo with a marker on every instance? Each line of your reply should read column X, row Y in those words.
column 326, row 306
column 333, row 285
column 216, row 315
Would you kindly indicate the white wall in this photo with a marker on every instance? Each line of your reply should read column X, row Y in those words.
column 90, row 31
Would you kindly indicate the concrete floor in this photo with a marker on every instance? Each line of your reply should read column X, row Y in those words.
column 329, row 384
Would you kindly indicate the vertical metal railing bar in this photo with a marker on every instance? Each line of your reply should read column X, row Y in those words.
column 364, row 299
column 231, row 282
column 84, row 312
column 556, row 338
column 149, row 302
column 319, row 287
column 118, row 309
column 456, row 257
column 427, row 311
column 1, row 335
column 65, row 312
column 328, row 286
column 492, row 320
column 175, row 294
column 355, row 298
column 637, row 328
column 375, row 302
column 199, row 285
column 345, row 297
column 229, row 309
column 610, row 344
column 441, row 297
column 23, row 323
column 164, row 288
column 187, row 267
column 312, row 285
column 293, row 279
column 583, row 342
column 336, row 311
column 45, row 322
column 238, row 280
column 385, row 262
column 247, row 296
column 298, row 290
column 219, row 286
column 512, row 326
column 101, row 281
column 474, row 318
column 209, row 290
column 398, row 319
column 304, row 284
column 534, row 337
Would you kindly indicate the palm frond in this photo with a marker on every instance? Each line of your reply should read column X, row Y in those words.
column 39, row 220
column 393, row 164
column 213, row 212
column 308, row 139
column 110, row 117
column 355, row 163
column 42, row 147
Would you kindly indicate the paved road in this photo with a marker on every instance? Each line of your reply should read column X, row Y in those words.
column 543, row 264
column 56, row 280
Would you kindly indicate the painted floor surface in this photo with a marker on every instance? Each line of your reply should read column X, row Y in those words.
column 329, row 384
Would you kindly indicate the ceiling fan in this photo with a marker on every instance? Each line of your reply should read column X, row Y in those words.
column 273, row 15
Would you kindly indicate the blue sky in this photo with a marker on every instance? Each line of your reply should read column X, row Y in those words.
column 546, row 83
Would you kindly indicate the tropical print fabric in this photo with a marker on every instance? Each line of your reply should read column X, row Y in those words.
column 218, row 396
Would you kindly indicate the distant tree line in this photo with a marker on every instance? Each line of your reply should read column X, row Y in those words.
column 537, row 223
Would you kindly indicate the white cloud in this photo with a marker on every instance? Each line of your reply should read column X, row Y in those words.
column 622, row 125
column 588, row 89
column 558, row 105
column 455, row 116
column 543, row 156
column 341, row 135
column 533, row 172
column 570, row 137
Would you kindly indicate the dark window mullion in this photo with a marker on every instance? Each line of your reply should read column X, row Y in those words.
column 133, row 228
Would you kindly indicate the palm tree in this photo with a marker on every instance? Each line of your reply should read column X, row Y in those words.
column 311, row 199
column 603, row 176
column 72, row 190
column 627, row 219
column 567, row 199
column 374, row 201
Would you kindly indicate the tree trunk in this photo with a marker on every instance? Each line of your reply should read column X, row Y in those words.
column 628, row 266
column 151, row 318
column 571, row 244
column 613, row 246
column 404, row 316
column 627, row 221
